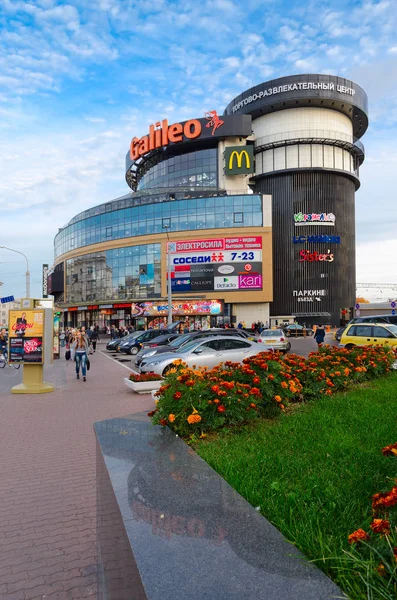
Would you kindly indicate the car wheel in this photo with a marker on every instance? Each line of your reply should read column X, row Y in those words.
column 288, row 348
column 350, row 346
column 133, row 350
column 167, row 368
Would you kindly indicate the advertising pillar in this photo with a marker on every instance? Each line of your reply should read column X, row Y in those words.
column 30, row 336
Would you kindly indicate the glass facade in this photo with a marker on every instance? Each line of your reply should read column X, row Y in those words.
column 187, row 214
column 196, row 169
column 117, row 274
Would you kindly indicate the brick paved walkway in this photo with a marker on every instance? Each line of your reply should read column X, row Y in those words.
column 47, row 481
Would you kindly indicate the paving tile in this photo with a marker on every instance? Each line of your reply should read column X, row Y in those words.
column 47, row 480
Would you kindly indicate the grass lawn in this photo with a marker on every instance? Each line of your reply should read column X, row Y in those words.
column 313, row 471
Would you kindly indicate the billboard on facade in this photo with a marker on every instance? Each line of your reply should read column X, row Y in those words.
column 208, row 265
column 198, row 307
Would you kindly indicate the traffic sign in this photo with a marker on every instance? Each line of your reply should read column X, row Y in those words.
column 357, row 312
column 393, row 305
column 393, row 312
column 357, row 306
column 7, row 299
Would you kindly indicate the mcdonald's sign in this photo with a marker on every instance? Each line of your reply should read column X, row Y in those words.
column 239, row 160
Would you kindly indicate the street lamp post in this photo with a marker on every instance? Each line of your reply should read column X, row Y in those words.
column 169, row 289
column 27, row 269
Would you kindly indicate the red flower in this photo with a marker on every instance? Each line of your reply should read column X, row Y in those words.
column 177, row 395
column 256, row 380
column 380, row 526
column 358, row 536
column 215, row 389
column 390, row 450
column 152, row 413
column 190, row 383
column 221, row 408
column 163, row 422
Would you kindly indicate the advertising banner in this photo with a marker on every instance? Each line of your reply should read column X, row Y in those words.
column 209, row 265
column 198, row 307
column 26, row 333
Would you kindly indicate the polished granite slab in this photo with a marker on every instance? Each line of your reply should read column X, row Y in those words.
column 170, row 528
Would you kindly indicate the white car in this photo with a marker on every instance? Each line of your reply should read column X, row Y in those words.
column 205, row 353
column 275, row 338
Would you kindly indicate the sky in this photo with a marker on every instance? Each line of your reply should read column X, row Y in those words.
column 78, row 80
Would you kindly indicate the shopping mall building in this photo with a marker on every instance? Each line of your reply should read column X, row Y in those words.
column 252, row 212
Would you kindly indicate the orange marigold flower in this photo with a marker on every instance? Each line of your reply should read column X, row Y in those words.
column 271, row 377
column 284, row 385
column 390, row 450
column 215, row 389
column 384, row 499
column 252, row 405
column 381, row 569
column 190, row 383
column 163, row 422
column 256, row 380
column 221, row 408
column 358, row 536
column 193, row 419
column 177, row 395
column 222, row 393
column 171, row 418
column 380, row 526
column 282, row 406
column 255, row 391
column 277, row 398
column 216, row 401
column 346, row 371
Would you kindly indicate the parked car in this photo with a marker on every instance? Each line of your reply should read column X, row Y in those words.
column 275, row 338
column 179, row 342
column 294, row 329
column 133, row 345
column 205, row 353
column 365, row 334
column 113, row 345
column 338, row 333
column 392, row 319
column 161, row 340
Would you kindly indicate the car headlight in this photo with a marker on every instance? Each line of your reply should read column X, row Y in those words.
column 155, row 362
column 147, row 354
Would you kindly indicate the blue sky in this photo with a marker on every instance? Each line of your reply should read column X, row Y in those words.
column 78, row 80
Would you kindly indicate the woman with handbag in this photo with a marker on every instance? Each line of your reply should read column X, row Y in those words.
column 80, row 345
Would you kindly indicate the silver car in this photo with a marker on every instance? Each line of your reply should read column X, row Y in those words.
column 205, row 353
column 275, row 338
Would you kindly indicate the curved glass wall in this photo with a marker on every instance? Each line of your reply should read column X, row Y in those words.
column 117, row 274
column 179, row 215
column 195, row 169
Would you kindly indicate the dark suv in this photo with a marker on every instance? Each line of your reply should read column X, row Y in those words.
column 133, row 345
column 180, row 341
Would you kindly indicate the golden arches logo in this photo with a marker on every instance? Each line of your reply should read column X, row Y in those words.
column 239, row 158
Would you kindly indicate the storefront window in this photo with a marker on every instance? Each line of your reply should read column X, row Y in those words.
column 117, row 274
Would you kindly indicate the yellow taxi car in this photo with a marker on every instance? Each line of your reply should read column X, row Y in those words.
column 369, row 334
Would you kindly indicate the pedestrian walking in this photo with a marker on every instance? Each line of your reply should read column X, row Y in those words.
column 80, row 345
column 319, row 335
column 94, row 338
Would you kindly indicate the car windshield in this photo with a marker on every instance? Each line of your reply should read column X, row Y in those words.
column 180, row 340
column 272, row 333
column 191, row 345
column 393, row 329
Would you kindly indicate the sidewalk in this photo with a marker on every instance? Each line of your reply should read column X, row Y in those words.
column 47, row 480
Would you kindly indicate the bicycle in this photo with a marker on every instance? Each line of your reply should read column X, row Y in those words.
column 4, row 361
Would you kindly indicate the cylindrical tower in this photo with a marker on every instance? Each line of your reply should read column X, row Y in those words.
column 307, row 156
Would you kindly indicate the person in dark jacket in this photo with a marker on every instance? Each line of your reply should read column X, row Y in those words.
column 94, row 338
column 319, row 335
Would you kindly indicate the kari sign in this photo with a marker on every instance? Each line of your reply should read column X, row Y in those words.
column 250, row 282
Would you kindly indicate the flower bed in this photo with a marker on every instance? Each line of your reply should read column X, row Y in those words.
column 374, row 552
column 199, row 401
column 144, row 377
